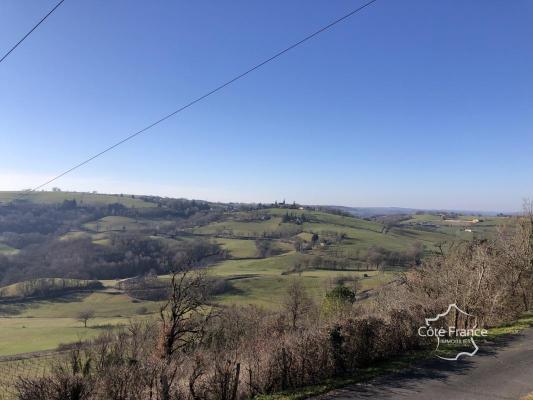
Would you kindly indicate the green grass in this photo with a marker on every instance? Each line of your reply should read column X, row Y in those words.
column 264, row 266
column 240, row 228
column 106, row 304
column 238, row 248
column 81, row 198
column 454, row 229
column 360, row 234
column 44, row 324
column 332, row 219
column 246, row 248
column 264, row 281
column 116, row 223
column 24, row 335
column 525, row 321
column 268, row 291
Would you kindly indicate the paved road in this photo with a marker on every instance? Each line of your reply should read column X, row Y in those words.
column 502, row 370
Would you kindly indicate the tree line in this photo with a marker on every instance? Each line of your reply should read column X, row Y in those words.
column 128, row 254
column 36, row 230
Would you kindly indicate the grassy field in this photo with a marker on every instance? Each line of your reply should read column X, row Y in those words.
column 238, row 248
column 39, row 325
column 81, row 198
column 24, row 335
column 116, row 223
column 360, row 234
column 240, row 228
column 268, row 291
column 483, row 226
column 264, row 281
column 107, row 304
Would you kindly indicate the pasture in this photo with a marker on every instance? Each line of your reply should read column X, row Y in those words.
column 42, row 324
column 264, row 282
column 80, row 197
column 37, row 325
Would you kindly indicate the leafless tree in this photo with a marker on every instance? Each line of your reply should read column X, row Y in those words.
column 85, row 315
column 297, row 302
column 183, row 319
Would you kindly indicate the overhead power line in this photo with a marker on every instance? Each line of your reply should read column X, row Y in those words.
column 30, row 32
column 213, row 91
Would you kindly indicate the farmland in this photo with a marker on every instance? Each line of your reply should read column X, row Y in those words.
column 37, row 325
column 80, row 197
column 254, row 254
column 260, row 251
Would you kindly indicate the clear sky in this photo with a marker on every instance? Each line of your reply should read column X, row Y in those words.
column 410, row 103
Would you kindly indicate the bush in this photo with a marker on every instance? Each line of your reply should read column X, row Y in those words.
column 141, row 311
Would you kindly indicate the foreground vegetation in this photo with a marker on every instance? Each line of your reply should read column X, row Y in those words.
column 205, row 352
column 286, row 296
column 393, row 365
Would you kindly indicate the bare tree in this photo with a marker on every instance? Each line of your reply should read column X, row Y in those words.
column 183, row 320
column 297, row 302
column 85, row 315
column 264, row 248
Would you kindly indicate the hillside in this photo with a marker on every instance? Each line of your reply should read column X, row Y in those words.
column 80, row 197
column 252, row 253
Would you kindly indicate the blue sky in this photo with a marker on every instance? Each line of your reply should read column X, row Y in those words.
column 414, row 103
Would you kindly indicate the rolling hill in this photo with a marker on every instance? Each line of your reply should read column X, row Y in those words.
column 254, row 250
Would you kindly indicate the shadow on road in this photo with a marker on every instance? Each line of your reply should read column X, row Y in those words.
column 413, row 379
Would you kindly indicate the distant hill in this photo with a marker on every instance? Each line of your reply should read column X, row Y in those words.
column 80, row 197
column 365, row 212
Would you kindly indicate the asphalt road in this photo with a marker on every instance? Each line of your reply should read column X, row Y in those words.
column 501, row 370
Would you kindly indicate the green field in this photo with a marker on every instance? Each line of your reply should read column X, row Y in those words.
column 360, row 234
column 268, row 290
column 456, row 227
column 24, row 335
column 238, row 248
column 37, row 325
column 239, row 228
column 117, row 223
column 264, row 281
column 44, row 324
column 80, row 197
